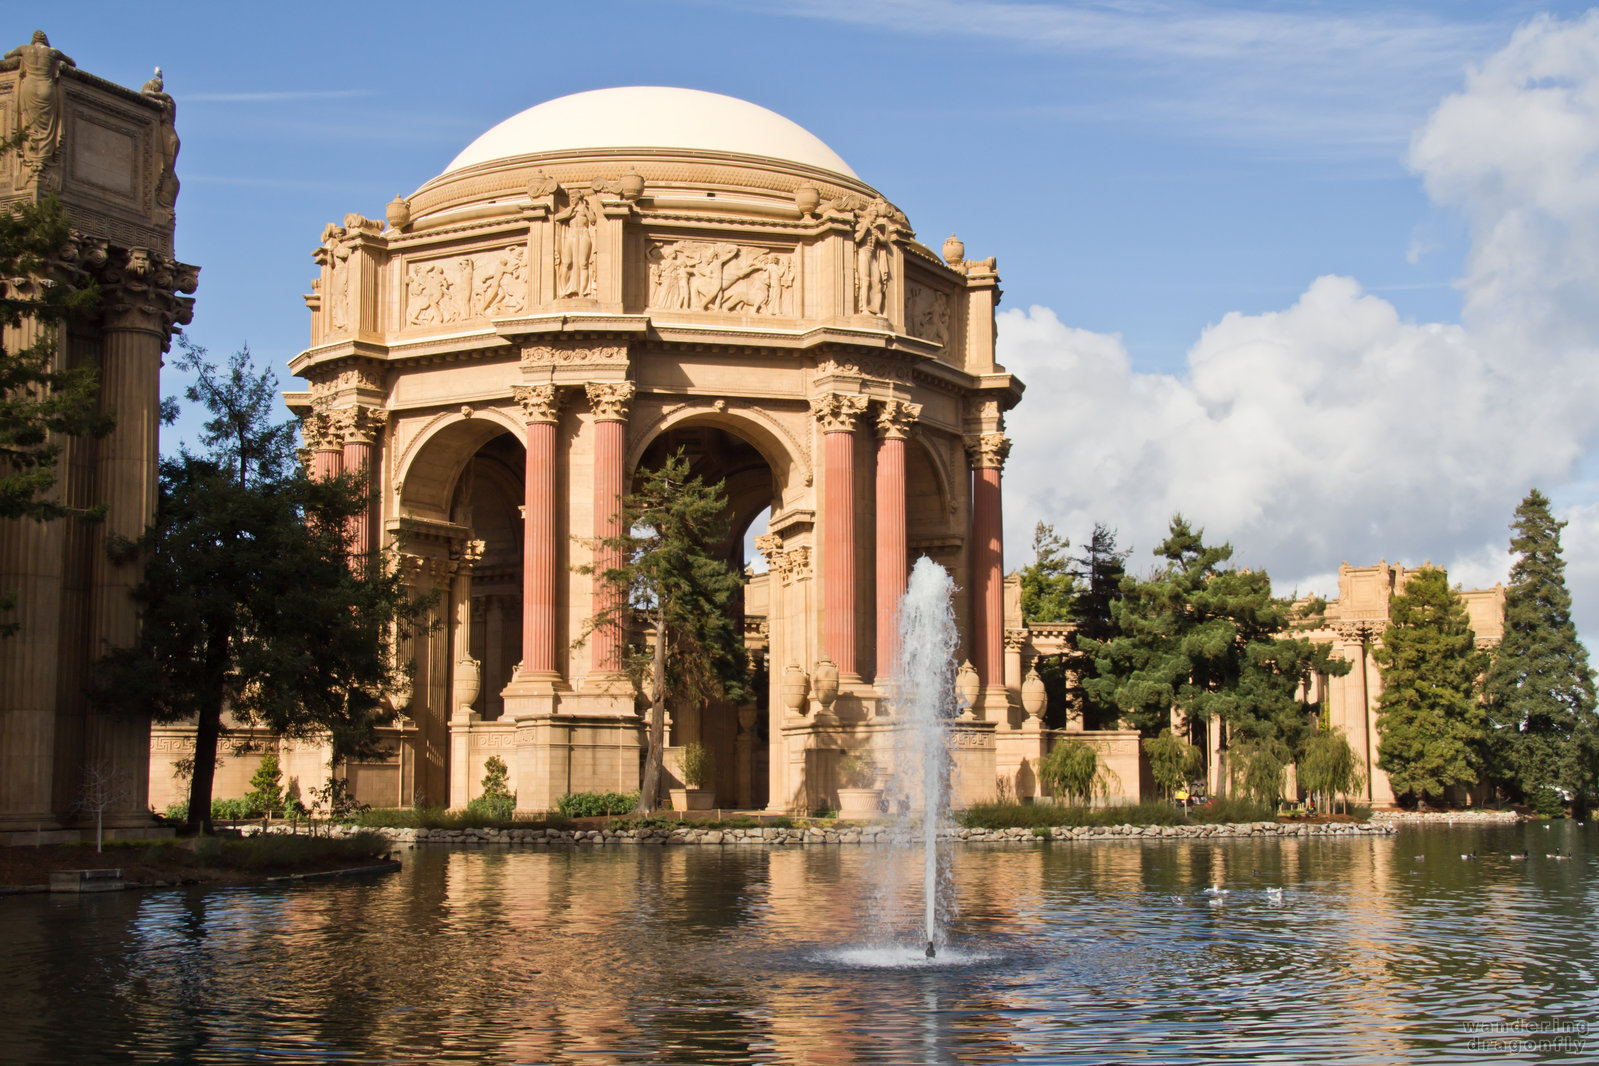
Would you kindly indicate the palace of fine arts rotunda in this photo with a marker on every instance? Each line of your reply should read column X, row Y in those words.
column 593, row 284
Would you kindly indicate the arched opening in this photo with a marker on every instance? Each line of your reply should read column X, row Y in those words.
column 738, row 736
column 487, row 501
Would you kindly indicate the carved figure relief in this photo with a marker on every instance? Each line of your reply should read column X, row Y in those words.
column 876, row 225
column 39, row 101
column 707, row 276
column 575, row 248
column 166, row 186
column 470, row 286
column 927, row 313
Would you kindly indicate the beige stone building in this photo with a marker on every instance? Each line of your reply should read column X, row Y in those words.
column 108, row 153
column 1354, row 626
column 592, row 284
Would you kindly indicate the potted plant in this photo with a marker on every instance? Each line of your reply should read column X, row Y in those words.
column 858, row 794
column 698, row 769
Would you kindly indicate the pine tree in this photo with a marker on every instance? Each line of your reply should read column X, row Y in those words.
column 1431, row 722
column 1047, row 584
column 674, row 575
column 1540, row 690
column 1098, row 574
column 251, row 599
column 1209, row 642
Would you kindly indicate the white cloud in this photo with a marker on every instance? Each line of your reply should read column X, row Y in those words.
column 1335, row 430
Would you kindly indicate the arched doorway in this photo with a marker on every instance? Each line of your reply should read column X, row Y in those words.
column 738, row 735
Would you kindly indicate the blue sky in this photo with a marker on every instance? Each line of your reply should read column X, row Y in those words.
column 1286, row 289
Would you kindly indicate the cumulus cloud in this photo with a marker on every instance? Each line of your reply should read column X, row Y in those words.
column 1334, row 429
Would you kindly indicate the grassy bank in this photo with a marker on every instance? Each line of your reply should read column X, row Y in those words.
column 201, row 860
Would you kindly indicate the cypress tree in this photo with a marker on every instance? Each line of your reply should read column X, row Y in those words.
column 1431, row 721
column 1540, row 690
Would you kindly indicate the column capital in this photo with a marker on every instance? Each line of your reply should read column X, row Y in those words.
column 358, row 425
column 988, row 451
column 540, row 403
column 139, row 290
column 837, row 411
column 610, row 399
column 895, row 418
column 318, row 432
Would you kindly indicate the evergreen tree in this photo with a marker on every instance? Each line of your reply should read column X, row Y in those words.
column 1210, row 643
column 1098, row 574
column 40, row 399
column 1540, row 690
column 1430, row 719
column 251, row 600
column 674, row 573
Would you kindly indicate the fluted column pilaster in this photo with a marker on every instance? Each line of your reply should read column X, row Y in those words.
column 359, row 427
column 609, row 401
column 988, row 452
column 541, row 411
column 894, row 420
column 837, row 413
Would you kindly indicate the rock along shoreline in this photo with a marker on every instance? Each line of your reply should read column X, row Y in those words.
column 873, row 834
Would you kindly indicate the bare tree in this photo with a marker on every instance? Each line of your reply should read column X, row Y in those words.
column 99, row 792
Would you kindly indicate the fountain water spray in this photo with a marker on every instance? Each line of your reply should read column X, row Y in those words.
column 922, row 704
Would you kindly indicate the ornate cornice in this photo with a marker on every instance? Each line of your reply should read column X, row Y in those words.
column 540, row 403
column 610, row 399
column 838, row 411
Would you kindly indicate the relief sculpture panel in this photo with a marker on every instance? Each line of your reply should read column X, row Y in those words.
column 440, row 291
column 713, row 276
column 927, row 313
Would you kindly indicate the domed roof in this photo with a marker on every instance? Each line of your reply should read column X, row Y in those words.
column 651, row 117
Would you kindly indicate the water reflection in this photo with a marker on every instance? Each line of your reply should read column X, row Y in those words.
column 1386, row 950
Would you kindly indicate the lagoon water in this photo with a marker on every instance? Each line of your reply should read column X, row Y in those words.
column 1391, row 950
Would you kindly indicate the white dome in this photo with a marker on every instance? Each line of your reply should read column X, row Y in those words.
column 651, row 117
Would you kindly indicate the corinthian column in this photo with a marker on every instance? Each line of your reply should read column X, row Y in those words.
column 837, row 412
column 139, row 310
column 894, row 420
column 541, row 406
column 609, row 400
column 359, row 427
column 988, row 452
column 324, row 443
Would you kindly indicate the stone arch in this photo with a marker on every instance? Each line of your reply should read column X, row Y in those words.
column 430, row 465
column 930, row 487
column 786, row 456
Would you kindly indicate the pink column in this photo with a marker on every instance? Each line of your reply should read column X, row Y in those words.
column 326, row 445
column 541, row 408
column 837, row 413
column 609, row 400
column 893, row 425
column 988, row 559
column 360, row 427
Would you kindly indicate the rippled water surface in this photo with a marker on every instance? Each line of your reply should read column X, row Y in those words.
column 1393, row 950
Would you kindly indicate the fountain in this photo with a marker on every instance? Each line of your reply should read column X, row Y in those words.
column 922, row 706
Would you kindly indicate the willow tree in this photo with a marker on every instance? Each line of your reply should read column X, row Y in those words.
column 672, row 569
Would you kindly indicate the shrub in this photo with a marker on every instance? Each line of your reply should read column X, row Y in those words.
column 596, row 804
column 336, row 798
column 228, row 810
column 1225, row 809
column 177, row 812
column 266, row 789
column 858, row 769
column 699, row 765
column 497, row 803
column 1072, row 769
column 1173, row 762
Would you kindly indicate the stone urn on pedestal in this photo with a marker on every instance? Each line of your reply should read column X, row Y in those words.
column 796, row 687
column 468, row 684
column 1033, row 700
column 824, row 677
column 967, row 686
